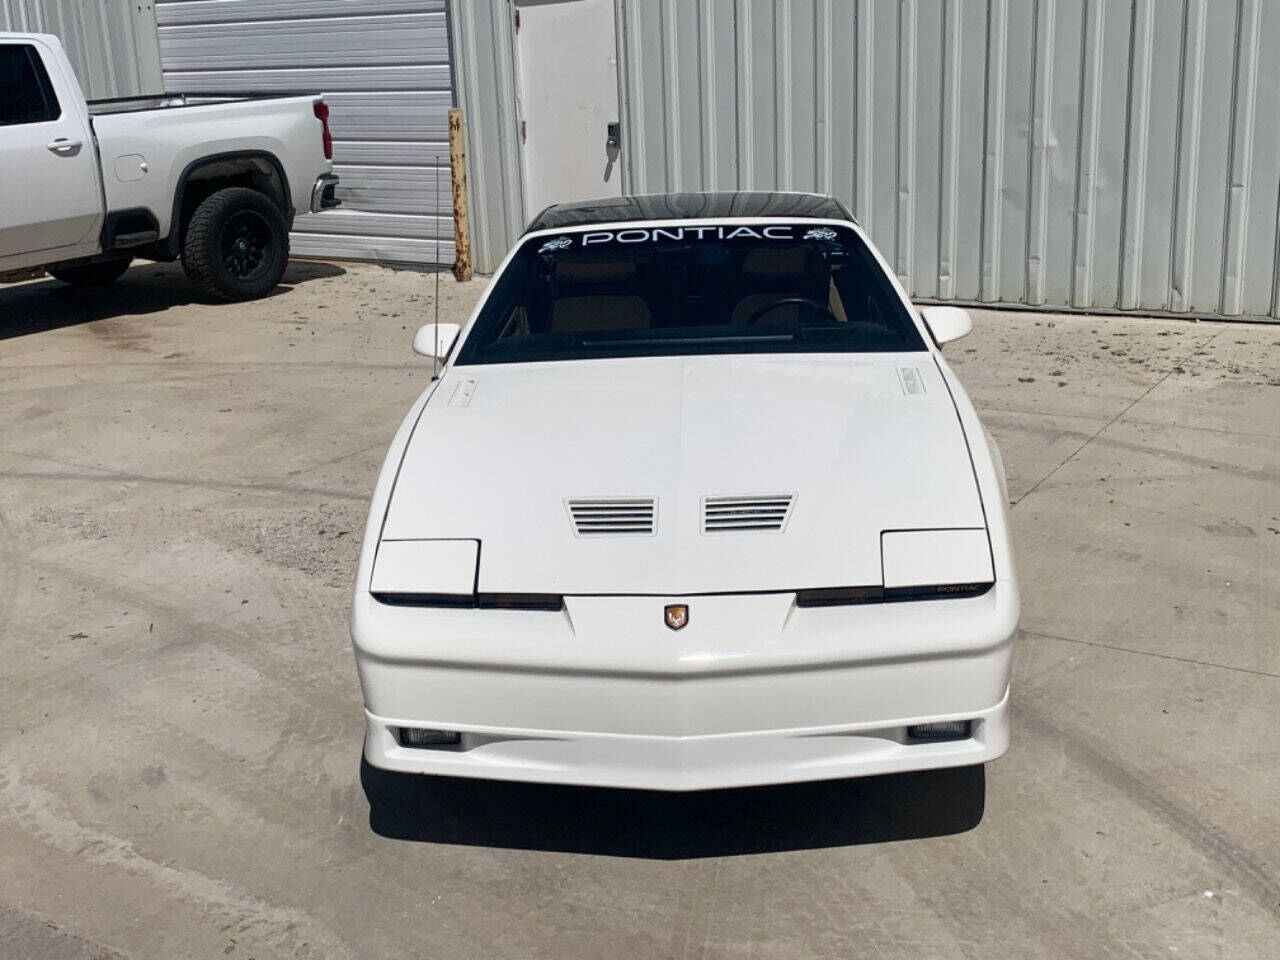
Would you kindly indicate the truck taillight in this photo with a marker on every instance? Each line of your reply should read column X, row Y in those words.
column 322, row 114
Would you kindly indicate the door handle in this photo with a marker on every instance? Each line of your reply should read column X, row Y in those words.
column 613, row 136
column 64, row 145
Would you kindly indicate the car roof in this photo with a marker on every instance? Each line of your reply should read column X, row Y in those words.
column 690, row 206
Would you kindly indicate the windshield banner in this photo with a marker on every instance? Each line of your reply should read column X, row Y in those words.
column 655, row 234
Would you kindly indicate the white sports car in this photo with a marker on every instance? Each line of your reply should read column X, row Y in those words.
column 694, row 501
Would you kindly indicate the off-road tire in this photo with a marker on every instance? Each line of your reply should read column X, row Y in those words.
column 91, row 274
column 236, row 245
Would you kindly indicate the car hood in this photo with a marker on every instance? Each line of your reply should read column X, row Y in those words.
column 862, row 443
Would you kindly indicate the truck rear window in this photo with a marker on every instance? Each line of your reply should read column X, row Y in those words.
column 26, row 96
column 735, row 287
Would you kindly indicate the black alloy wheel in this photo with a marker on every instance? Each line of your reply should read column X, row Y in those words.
column 247, row 245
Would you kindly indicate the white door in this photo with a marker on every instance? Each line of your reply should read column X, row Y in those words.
column 567, row 72
column 49, row 194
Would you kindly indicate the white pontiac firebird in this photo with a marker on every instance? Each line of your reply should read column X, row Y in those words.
column 695, row 501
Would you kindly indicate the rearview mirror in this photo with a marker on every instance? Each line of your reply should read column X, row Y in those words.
column 436, row 339
column 947, row 323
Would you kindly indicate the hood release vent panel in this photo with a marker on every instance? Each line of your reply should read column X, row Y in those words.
column 613, row 517
column 767, row 513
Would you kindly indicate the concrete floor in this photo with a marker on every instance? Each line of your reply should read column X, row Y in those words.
column 182, row 489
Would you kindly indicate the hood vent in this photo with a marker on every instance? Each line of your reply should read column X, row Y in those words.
column 621, row 516
column 767, row 513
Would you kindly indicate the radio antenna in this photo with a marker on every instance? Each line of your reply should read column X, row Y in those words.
column 435, row 332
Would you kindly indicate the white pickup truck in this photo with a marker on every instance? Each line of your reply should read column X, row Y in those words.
column 87, row 186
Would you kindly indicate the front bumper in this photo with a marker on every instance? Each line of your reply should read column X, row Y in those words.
column 323, row 194
column 691, row 763
column 753, row 691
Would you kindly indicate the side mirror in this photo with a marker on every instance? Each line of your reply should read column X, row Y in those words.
column 947, row 323
column 436, row 339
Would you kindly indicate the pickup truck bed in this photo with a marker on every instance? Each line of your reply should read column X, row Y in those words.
column 212, row 179
column 173, row 101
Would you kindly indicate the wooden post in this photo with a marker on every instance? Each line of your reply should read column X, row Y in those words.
column 458, row 174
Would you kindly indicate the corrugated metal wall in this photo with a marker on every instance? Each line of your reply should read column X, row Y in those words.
column 384, row 68
column 111, row 43
column 1062, row 153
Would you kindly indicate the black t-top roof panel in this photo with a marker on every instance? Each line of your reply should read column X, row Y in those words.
column 690, row 206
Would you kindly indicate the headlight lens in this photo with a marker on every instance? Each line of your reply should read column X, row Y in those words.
column 846, row 596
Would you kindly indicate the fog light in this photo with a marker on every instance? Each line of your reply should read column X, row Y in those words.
column 418, row 737
column 951, row 730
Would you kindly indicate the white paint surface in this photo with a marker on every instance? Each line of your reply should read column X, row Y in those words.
column 426, row 566
column 49, row 200
column 914, row 558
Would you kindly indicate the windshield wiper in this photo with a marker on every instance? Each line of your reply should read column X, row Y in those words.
column 676, row 341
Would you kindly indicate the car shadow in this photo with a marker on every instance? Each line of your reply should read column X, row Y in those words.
column 49, row 304
column 674, row 826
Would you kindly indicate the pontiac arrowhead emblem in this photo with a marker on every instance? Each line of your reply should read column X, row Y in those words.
column 677, row 615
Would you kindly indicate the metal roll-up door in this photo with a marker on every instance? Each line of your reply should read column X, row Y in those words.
column 383, row 67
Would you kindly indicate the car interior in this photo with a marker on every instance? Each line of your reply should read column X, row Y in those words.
column 822, row 295
column 641, row 290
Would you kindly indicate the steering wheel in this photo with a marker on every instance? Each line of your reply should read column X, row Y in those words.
column 813, row 305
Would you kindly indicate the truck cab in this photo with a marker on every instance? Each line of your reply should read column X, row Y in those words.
column 52, row 189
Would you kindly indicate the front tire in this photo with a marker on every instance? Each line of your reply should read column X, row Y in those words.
column 91, row 274
column 236, row 246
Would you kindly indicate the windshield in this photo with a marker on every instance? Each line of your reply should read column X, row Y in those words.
column 671, row 291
